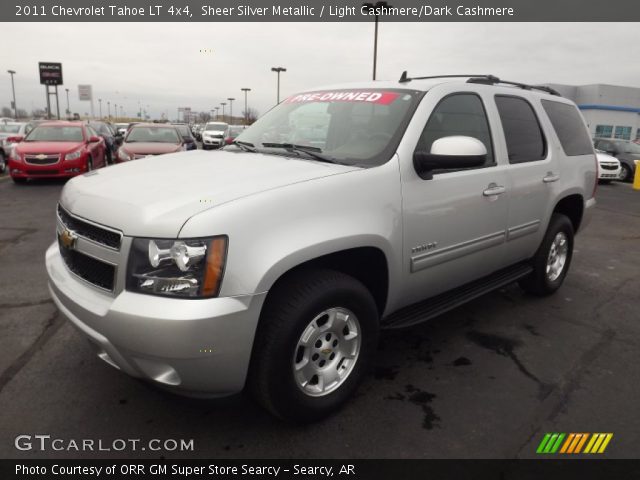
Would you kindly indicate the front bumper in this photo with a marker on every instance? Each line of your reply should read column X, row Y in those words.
column 61, row 169
column 213, row 141
column 193, row 347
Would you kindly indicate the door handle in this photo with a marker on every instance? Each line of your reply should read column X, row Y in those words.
column 493, row 190
column 551, row 177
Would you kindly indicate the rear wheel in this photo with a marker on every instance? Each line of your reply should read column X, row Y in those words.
column 317, row 334
column 551, row 261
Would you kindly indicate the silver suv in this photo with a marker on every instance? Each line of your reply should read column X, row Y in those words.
column 273, row 263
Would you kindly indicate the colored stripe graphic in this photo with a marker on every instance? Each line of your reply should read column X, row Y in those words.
column 574, row 443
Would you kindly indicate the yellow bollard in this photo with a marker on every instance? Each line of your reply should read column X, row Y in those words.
column 636, row 178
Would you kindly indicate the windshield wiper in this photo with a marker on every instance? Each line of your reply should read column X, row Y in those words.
column 314, row 152
column 246, row 146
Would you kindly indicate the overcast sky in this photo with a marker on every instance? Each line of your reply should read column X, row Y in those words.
column 162, row 66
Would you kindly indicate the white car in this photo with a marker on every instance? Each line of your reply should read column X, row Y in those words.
column 608, row 167
column 213, row 135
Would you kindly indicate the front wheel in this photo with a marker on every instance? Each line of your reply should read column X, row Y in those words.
column 625, row 172
column 551, row 261
column 317, row 335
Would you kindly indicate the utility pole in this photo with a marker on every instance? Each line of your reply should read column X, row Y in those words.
column 68, row 107
column 246, row 112
column 109, row 109
column 13, row 89
column 278, row 70
column 376, row 6
column 100, row 107
column 230, row 109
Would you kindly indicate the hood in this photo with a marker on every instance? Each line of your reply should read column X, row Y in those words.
column 155, row 196
column 213, row 133
column 151, row 148
column 47, row 147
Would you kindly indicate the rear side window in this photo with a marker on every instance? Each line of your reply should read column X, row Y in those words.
column 522, row 131
column 567, row 123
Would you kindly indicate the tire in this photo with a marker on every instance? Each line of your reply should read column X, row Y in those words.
column 626, row 174
column 108, row 158
column 316, row 303
column 19, row 180
column 546, row 278
column 89, row 164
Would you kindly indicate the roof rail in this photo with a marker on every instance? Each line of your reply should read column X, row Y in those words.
column 485, row 80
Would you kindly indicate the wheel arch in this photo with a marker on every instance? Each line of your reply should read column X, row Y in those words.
column 572, row 206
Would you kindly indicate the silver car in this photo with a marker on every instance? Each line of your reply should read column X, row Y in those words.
column 273, row 263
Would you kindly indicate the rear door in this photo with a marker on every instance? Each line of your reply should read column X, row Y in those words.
column 533, row 172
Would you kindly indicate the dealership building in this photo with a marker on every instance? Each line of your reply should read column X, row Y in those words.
column 611, row 111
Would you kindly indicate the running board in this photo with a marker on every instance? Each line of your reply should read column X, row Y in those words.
column 432, row 307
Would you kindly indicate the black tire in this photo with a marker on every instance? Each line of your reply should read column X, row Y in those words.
column 539, row 281
column 626, row 173
column 293, row 303
column 19, row 180
column 89, row 164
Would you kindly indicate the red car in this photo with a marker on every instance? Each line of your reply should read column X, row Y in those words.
column 57, row 150
column 148, row 139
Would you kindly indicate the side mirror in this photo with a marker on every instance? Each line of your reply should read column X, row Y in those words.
column 450, row 153
column 94, row 139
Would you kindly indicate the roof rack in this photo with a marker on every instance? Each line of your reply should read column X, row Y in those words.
column 484, row 80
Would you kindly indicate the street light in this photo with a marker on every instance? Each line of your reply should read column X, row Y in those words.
column 230, row 109
column 109, row 109
column 68, row 108
column 376, row 6
column 246, row 113
column 217, row 114
column 223, row 104
column 13, row 88
column 278, row 70
column 115, row 106
column 100, row 104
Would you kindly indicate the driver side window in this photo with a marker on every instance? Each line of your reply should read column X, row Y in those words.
column 458, row 114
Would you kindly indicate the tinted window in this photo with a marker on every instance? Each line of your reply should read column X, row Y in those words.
column 569, row 127
column 459, row 114
column 604, row 131
column 522, row 131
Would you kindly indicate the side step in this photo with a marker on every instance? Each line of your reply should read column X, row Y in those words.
column 432, row 307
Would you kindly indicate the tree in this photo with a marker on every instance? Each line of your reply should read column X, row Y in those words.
column 6, row 112
column 251, row 115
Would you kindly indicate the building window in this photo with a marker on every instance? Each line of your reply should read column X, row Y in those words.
column 604, row 131
column 623, row 133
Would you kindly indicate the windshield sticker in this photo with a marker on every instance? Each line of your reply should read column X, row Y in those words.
column 381, row 98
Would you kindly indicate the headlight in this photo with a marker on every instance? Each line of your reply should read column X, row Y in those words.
column 73, row 155
column 123, row 155
column 189, row 268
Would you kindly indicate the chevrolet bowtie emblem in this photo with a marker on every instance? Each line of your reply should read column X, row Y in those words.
column 42, row 156
column 68, row 238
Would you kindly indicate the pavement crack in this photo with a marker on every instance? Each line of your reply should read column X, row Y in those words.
column 51, row 327
column 35, row 303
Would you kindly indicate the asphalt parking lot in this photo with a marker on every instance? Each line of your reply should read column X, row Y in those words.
column 486, row 380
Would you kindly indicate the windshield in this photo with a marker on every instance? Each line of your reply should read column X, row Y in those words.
column 153, row 134
column 51, row 133
column 9, row 128
column 183, row 129
column 629, row 147
column 215, row 127
column 101, row 128
column 360, row 127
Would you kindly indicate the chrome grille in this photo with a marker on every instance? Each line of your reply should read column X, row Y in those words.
column 609, row 166
column 91, row 231
column 92, row 270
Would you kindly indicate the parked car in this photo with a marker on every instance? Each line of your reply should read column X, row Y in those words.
column 148, row 139
column 10, row 132
column 187, row 138
column 232, row 133
column 122, row 128
column 625, row 151
column 213, row 135
column 275, row 266
column 112, row 138
column 608, row 167
column 57, row 149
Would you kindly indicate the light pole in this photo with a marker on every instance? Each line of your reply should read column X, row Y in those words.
column 115, row 105
column 246, row 113
column 217, row 114
column 278, row 70
column 68, row 107
column 13, row 89
column 109, row 109
column 121, row 111
column 100, row 107
column 230, row 109
column 376, row 6
column 223, row 104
